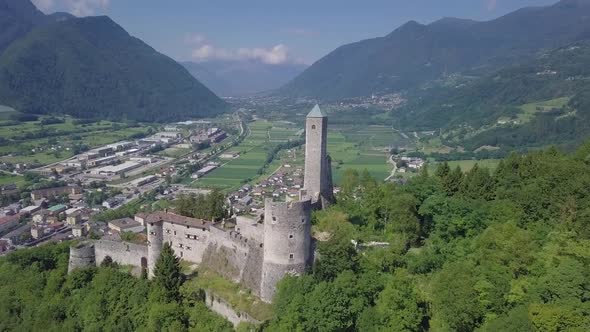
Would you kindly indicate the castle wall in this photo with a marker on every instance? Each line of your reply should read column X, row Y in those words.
column 252, row 273
column 227, row 253
column 121, row 252
column 189, row 243
column 221, row 307
column 82, row 255
column 250, row 228
column 155, row 241
column 287, row 243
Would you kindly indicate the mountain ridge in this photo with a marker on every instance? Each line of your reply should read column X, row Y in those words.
column 92, row 67
column 415, row 53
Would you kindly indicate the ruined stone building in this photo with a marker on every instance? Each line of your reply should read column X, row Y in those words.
column 255, row 253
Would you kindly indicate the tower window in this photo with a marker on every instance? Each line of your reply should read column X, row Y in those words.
column 312, row 126
column 291, row 256
column 290, row 236
column 303, row 221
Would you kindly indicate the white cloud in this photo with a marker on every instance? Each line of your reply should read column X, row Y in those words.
column 209, row 52
column 76, row 7
column 44, row 5
column 273, row 56
column 203, row 50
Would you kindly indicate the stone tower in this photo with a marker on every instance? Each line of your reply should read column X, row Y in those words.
column 318, row 174
column 82, row 255
column 155, row 230
column 287, row 243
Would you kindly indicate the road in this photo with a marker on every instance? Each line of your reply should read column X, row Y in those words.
column 391, row 161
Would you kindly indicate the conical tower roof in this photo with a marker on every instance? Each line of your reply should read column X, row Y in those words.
column 316, row 112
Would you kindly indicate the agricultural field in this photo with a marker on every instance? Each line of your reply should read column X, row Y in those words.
column 356, row 148
column 529, row 111
column 253, row 153
column 375, row 137
column 46, row 143
column 6, row 178
column 349, row 155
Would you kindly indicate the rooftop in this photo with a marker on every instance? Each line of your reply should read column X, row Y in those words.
column 124, row 223
column 59, row 207
column 316, row 112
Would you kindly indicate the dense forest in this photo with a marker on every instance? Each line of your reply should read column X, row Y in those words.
column 507, row 250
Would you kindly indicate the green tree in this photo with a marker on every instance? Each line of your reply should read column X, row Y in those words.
column 167, row 275
column 398, row 307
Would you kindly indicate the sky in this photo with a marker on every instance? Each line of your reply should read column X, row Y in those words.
column 272, row 31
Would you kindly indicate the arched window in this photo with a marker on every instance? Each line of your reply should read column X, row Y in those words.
column 312, row 126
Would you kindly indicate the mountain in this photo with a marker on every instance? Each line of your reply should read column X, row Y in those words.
column 91, row 67
column 542, row 102
column 237, row 78
column 416, row 53
column 17, row 18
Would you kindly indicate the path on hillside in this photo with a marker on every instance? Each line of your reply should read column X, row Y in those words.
column 391, row 161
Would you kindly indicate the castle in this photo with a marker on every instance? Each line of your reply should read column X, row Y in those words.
column 255, row 253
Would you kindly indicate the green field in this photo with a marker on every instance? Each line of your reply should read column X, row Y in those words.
column 6, row 178
column 48, row 143
column 253, row 152
column 348, row 155
column 531, row 110
column 376, row 137
column 349, row 149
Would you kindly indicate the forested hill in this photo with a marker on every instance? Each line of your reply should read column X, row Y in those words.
column 507, row 250
column 545, row 101
column 415, row 53
column 17, row 18
column 92, row 68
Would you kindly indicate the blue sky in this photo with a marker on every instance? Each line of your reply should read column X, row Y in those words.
column 273, row 31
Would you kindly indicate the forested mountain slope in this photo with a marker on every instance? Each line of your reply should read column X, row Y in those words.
column 415, row 53
column 545, row 101
column 17, row 18
column 91, row 67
